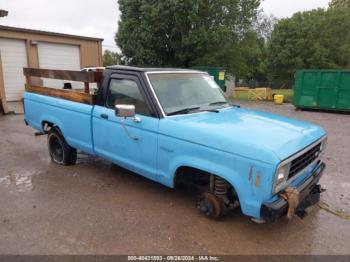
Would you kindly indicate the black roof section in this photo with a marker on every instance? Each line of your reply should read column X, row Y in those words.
column 148, row 69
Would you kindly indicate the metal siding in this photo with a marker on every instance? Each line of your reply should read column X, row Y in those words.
column 90, row 54
column 14, row 58
column 90, row 49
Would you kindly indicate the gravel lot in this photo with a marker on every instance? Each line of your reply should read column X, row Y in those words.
column 98, row 208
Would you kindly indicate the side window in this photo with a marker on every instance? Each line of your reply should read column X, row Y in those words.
column 126, row 92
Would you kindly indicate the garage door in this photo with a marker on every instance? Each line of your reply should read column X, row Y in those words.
column 14, row 58
column 59, row 56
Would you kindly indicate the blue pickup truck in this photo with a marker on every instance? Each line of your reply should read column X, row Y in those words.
column 175, row 126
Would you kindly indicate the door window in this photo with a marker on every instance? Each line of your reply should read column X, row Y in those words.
column 126, row 92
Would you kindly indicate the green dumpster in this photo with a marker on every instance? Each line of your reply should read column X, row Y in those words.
column 217, row 72
column 322, row 89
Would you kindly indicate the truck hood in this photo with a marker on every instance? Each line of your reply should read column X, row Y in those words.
column 257, row 135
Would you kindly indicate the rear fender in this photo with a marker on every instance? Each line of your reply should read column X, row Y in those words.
column 53, row 120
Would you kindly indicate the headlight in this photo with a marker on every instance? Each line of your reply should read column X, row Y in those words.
column 281, row 177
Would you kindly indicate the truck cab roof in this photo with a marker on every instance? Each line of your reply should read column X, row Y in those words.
column 148, row 69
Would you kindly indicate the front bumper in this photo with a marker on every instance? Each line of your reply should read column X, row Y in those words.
column 309, row 194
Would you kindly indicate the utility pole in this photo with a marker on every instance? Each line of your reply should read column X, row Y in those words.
column 3, row 13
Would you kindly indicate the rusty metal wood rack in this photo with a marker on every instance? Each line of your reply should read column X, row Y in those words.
column 68, row 94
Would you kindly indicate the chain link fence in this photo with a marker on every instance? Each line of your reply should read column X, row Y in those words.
column 276, row 84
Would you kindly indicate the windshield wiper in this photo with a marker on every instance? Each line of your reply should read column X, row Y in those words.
column 211, row 110
column 183, row 111
column 223, row 103
column 218, row 103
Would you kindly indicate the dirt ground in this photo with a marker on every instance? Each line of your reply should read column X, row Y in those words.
column 98, row 208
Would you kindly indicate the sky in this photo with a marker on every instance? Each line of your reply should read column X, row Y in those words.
column 286, row 8
column 100, row 18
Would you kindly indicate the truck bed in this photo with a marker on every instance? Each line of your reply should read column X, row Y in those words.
column 33, row 75
column 70, row 109
column 73, row 118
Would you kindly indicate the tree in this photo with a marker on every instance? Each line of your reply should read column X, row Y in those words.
column 339, row 4
column 185, row 33
column 257, row 47
column 263, row 25
column 315, row 39
column 111, row 58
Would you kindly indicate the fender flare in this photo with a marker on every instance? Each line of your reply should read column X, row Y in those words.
column 53, row 120
column 230, row 175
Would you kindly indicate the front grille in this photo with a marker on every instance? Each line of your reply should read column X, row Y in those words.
column 304, row 160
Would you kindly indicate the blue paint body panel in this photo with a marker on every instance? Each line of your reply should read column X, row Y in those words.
column 73, row 119
column 236, row 144
column 112, row 142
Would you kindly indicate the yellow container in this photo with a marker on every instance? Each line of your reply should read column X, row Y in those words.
column 278, row 99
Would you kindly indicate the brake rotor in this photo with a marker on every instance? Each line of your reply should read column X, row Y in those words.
column 210, row 205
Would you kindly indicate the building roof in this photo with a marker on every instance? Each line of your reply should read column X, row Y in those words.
column 148, row 69
column 34, row 31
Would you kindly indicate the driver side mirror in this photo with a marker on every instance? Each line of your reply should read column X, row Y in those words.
column 125, row 111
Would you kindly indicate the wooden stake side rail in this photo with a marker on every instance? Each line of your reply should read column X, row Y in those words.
column 74, row 96
column 89, row 77
column 68, row 94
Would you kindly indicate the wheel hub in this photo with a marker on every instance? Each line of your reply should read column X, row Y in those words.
column 210, row 205
column 56, row 149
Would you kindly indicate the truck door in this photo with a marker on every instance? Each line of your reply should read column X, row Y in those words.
column 129, row 143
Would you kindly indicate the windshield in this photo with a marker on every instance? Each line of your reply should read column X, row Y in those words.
column 187, row 92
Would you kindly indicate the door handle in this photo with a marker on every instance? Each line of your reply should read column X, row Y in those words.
column 104, row 116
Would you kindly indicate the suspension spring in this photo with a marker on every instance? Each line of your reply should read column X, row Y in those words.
column 220, row 187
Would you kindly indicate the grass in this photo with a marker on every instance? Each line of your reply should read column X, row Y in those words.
column 288, row 94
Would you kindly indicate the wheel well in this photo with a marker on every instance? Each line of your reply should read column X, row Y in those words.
column 46, row 126
column 190, row 175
